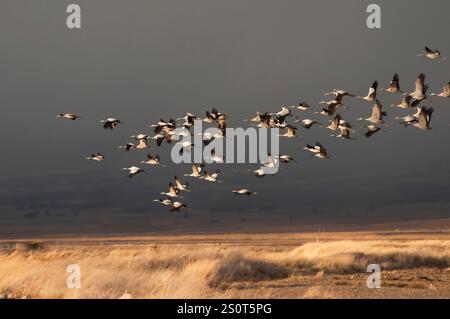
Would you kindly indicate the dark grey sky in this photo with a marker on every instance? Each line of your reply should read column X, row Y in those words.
column 144, row 60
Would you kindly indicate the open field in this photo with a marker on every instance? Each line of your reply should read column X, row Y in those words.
column 414, row 264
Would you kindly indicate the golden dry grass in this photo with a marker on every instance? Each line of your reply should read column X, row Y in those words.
column 312, row 270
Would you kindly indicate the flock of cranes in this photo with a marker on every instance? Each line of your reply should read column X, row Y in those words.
column 166, row 130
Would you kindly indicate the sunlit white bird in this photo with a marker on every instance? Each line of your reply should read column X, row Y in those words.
column 329, row 111
column 285, row 158
column 189, row 119
column 185, row 146
column 166, row 201
column 207, row 141
column 211, row 177
column 110, row 123
column 338, row 101
column 159, row 138
column 338, row 98
column 291, row 131
column 394, row 86
column 180, row 186
column 180, row 132
column 212, row 116
column 421, row 88
column 176, row 206
column 172, row 192
column 371, row 129
column 345, row 129
column 68, row 116
column 372, row 94
column 318, row 150
column 133, row 171
column 271, row 162
column 424, row 118
column 222, row 124
column 266, row 121
column 196, row 170
column 214, row 158
column 432, row 54
column 256, row 119
column 407, row 120
column 164, row 126
column 284, row 112
column 243, row 191
column 152, row 160
column 308, row 123
column 445, row 91
column 342, row 125
column 143, row 143
column 127, row 147
column 139, row 137
column 339, row 94
column 96, row 157
column 208, row 136
column 302, row 106
column 377, row 114
column 404, row 104
column 335, row 122
column 260, row 172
